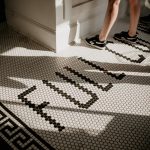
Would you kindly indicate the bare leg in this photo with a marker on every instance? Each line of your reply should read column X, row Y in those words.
column 110, row 18
column 135, row 9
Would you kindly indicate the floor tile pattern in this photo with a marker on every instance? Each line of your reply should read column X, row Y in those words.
column 95, row 100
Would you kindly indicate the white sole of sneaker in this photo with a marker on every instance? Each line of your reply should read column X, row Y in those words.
column 93, row 46
column 123, row 39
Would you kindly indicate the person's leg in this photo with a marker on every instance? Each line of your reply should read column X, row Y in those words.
column 135, row 9
column 99, row 41
column 131, row 35
column 110, row 18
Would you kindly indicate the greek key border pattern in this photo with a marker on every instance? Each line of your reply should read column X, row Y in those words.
column 19, row 136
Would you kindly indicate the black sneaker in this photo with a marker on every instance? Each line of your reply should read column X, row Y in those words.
column 145, row 19
column 95, row 42
column 124, row 36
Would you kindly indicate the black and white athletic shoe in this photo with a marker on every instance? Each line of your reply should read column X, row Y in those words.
column 124, row 36
column 145, row 20
column 95, row 42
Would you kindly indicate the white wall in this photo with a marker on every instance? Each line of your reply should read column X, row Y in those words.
column 88, row 15
column 34, row 18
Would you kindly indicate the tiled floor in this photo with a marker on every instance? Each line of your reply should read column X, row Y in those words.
column 79, row 99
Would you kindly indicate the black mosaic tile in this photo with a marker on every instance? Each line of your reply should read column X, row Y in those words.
column 67, row 96
column 140, row 42
column 118, row 77
column 83, row 77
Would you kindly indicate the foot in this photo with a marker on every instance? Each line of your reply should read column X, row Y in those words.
column 124, row 36
column 95, row 42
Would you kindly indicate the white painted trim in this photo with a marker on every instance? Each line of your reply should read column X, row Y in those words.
column 63, row 15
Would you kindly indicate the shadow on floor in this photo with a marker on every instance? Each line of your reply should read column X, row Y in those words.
column 124, row 131
column 41, row 68
column 44, row 68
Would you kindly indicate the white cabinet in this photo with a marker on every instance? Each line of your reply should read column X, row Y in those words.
column 34, row 18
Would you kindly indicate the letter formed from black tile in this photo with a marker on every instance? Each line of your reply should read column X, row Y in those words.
column 93, row 99
column 83, row 77
column 39, row 108
column 118, row 77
